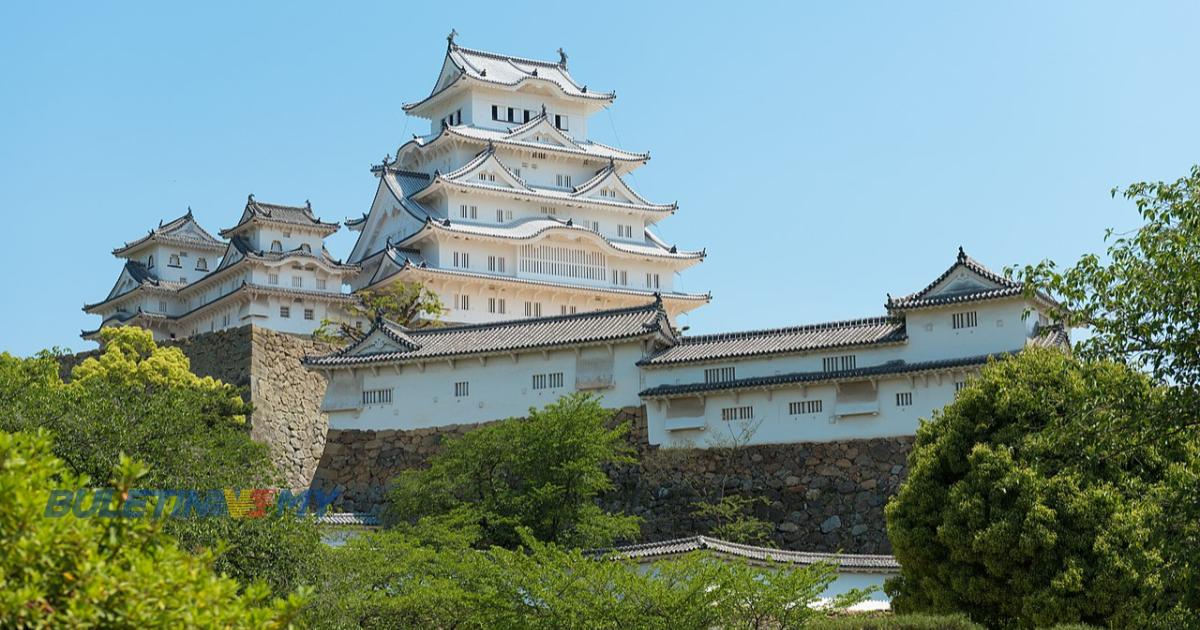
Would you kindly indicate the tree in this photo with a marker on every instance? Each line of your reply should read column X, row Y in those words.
column 142, row 400
column 409, row 304
column 69, row 571
column 1015, row 517
column 389, row 580
column 543, row 472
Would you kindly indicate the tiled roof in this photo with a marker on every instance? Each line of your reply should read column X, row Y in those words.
column 144, row 279
column 507, row 336
column 792, row 378
column 183, row 231
column 294, row 215
column 530, row 228
column 353, row 519
column 667, row 548
column 586, row 148
column 509, row 71
column 877, row 330
column 926, row 297
column 1052, row 336
column 243, row 247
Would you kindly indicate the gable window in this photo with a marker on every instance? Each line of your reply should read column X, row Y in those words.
column 455, row 118
column 625, row 231
column 201, row 264
column 285, row 312
column 719, row 375
column 487, row 177
column 377, row 396
column 560, row 122
column 276, row 246
column 903, row 399
column 469, row 212
column 462, row 389
column 804, row 407
column 306, row 248
column 308, row 314
column 495, row 112
column 150, row 262
column 834, row 364
column 966, row 319
column 173, row 261
column 737, row 413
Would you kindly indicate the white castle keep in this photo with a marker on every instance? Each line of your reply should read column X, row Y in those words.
column 556, row 283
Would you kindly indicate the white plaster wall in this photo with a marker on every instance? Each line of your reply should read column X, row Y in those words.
column 499, row 388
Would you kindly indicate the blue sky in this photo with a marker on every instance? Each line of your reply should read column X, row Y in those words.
column 823, row 153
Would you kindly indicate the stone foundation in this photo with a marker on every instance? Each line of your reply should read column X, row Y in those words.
column 820, row 496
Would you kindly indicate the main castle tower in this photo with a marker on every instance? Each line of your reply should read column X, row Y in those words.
column 506, row 209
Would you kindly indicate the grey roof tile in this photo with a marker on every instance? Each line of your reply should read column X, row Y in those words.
column 678, row 546
column 871, row 331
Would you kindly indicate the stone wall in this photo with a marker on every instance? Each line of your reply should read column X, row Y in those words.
column 820, row 496
column 286, row 398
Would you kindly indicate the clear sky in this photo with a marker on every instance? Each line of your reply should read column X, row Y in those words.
column 824, row 153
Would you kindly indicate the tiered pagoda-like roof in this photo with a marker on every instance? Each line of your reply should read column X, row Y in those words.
column 183, row 231
column 967, row 280
column 464, row 66
column 257, row 212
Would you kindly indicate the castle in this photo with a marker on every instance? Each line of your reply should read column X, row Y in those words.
column 555, row 283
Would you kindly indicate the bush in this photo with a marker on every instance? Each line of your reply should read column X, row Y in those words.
column 112, row 572
column 888, row 621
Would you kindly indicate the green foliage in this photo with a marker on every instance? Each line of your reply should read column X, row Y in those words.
column 112, row 572
column 1012, row 515
column 888, row 621
column 142, row 400
column 733, row 521
column 542, row 472
column 409, row 304
column 387, row 580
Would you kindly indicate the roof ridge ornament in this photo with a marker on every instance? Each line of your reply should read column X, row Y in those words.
column 450, row 44
column 543, row 110
column 962, row 256
column 562, row 57
column 250, row 199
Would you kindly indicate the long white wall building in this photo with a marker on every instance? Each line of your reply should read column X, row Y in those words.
column 854, row 379
column 274, row 271
column 506, row 209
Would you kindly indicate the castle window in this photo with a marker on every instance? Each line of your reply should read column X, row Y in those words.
column 533, row 309
column 560, row 122
column 548, row 210
column 462, row 388
column 201, row 264
column 548, row 381
column 150, row 262
column 528, row 115
column 620, row 277
column 496, row 305
column 306, row 248
column 173, row 261
column 463, row 302
column 564, row 181
column 651, row 281
column 308, row 314
column 462, row 260
column 276, row 246
column 162, row 306
column 455, row 118
column 719, row 375
column 568, row 310
column 496, row 263
column 959, row 385
column 297, row 282
column 966, row 319
column 504, row 215
column 903, row 399
column 495, row 112
column 563, row 261
column 469, row 212
column 737, row 413
column 834, row 364
column 272, row 278
column 804, row 407
column 625, row 231
column 377, row 396
column 321, row 283
column 285, row 312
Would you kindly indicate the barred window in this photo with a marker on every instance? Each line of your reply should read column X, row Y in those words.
column 804, row 407
column 966, row 319
column 308, row 313
column 718, row 375
column 959, row 385
column 567, row 262
column 737, row 413
column 548, row 381
column 903, row 399
column 285, row 312
column 377, row 396
column 834, row 364
column 462, row 388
